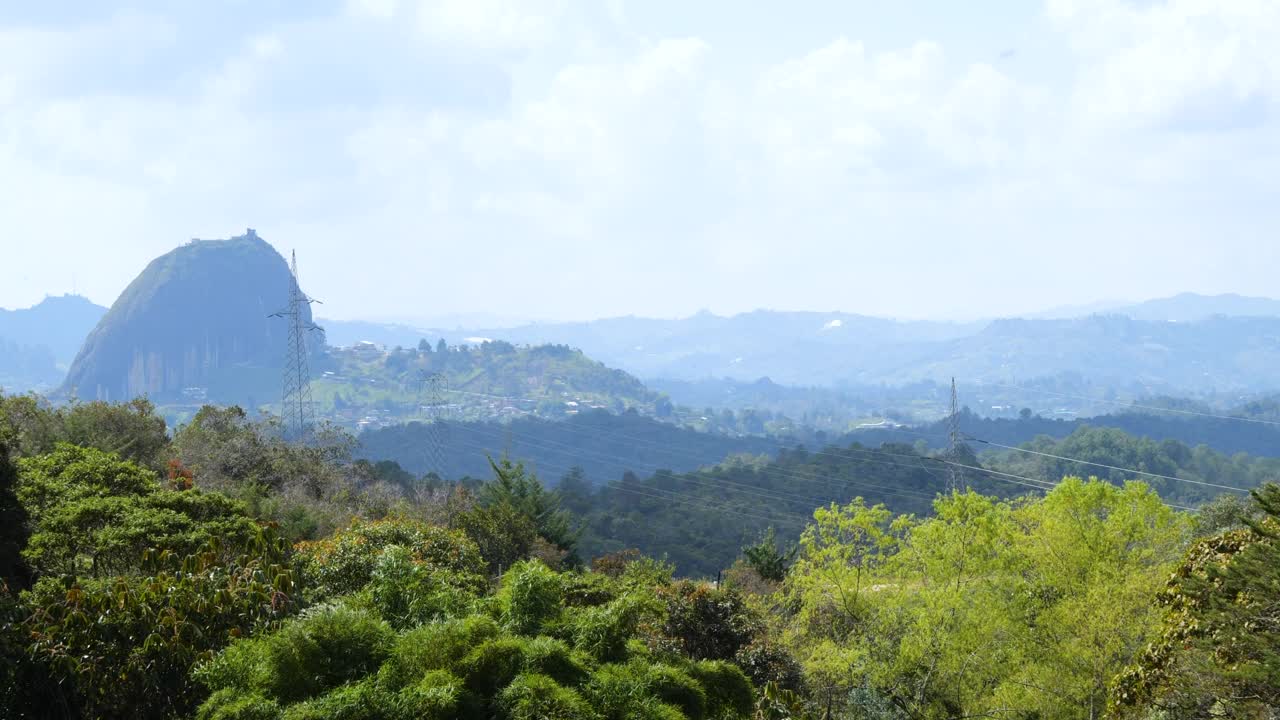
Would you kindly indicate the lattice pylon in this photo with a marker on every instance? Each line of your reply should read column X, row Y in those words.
column 297, row 410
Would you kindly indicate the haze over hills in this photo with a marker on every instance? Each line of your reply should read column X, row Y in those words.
column 194, row 325
column 1190, row 307
column 1211, row 352
column 59, row 323
column 38, row 343
column 196, row 317
column 1183, row 307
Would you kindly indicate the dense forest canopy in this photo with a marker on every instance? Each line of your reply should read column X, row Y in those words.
column 221, row 572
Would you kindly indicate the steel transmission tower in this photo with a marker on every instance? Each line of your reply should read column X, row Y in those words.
column 432, row 391
column 955, row 441
column 296, row 408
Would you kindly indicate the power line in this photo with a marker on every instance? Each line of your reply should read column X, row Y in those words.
column 698, row 502
column 1034, row 483
column 746, row 488
column 830, row 483
column 1109, row 467
column 1011, row 478
column 1155, row 408
column 953, row 466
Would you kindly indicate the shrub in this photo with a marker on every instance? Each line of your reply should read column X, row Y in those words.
column 439, row 695
column 504, row 535
column 94, row 514
column 324, row 648
column 727, row 689
column 126, row 646
column 765, row 662
column 646, row 572
column 587, row 589
column 493, row 665
column 621, row 692
column 538, row 697
column 550, row 657
column 345, row 562
column 407, row 593
column 234, row 704
column 437, row 646
column 704, row 623
column 530, row 596
column 602, row 632
column 357, row 701
column 675, row 687
column 613, row 564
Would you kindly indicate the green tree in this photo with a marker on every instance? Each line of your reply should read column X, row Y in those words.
column 522, row 492
column 93, row 514
column 125, row 646
column 989, row 607
column 1219, row 652
column 13, row 526
column 767, row 559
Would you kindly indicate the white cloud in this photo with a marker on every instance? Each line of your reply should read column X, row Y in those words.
column 1180, row 63
column 500, row 136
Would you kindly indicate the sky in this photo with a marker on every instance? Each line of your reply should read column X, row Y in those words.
column 557, row 160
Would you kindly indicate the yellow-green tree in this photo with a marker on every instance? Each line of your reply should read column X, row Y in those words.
column 990, row 608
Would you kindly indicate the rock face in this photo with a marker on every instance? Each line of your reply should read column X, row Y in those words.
column 194, row 325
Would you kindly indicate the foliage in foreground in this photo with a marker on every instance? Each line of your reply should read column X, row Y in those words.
column 545, row 645
column 1218, row 654
column 989, row 608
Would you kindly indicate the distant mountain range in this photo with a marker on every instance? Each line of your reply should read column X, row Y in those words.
column 1186, row 343
column 197, row 318
column 1184, row 307
column 38, row 343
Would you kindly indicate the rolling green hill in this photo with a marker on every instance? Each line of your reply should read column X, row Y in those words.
column 364, row 385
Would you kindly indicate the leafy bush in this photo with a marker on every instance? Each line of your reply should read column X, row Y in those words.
column 493, row 665
column 530, row 596
column 727, row 689
column 236, row 704
column 587, row 589
column 93, row 514
column 439, row 695
column 646, row 572
column 603, row 632
column 675, row 687
column 704, row 623
column 357, row 701
column 504, row 535
column 613, row 564
column 436, row 646
column 767, row 662
column 550, row 657
column 344, row 563
column 322, row 649
column 408, row 593
column 622, row 692
column 538, row 697
column 124, row 647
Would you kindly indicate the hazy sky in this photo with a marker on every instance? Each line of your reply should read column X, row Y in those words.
column 556, row 159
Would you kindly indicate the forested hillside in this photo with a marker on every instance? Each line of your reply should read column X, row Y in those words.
column 221, row 573
column 600, row 443
column 700, row 519
column 1224, row 434
column 487, row 381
